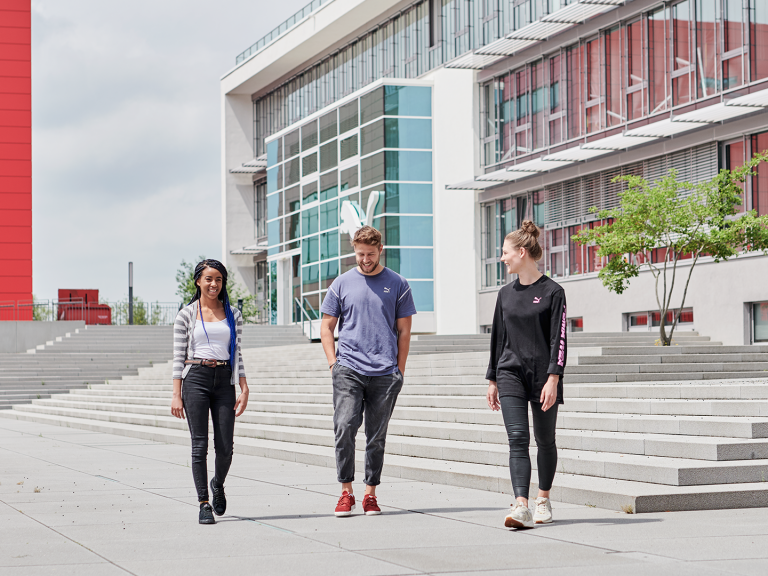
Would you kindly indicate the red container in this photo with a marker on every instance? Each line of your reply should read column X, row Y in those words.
column 83, row 305
column 84, row 296
column 98, row 314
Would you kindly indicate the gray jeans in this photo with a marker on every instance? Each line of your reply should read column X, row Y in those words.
column 355, row 395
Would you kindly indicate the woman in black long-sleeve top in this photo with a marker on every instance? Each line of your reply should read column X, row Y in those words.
column 528, row 354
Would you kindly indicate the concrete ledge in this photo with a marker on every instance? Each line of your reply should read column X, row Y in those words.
column 25, row 335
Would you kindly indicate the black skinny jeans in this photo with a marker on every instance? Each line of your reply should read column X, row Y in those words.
column 206, row 390
column 515, row 413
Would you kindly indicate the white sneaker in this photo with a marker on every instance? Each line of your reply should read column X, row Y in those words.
column 519, row 517
column 543, row 513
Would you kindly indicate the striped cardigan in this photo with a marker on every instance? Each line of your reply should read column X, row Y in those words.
column 184, row 327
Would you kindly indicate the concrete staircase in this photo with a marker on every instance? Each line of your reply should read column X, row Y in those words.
column 96, row 354
column 627, row 437
column 432, row 344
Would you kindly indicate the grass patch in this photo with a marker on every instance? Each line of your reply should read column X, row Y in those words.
column 628, row 509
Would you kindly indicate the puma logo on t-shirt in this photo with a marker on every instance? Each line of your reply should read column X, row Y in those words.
column 536, row 300
column 386, row 290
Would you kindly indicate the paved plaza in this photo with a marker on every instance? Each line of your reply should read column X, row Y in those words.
column 76, row 502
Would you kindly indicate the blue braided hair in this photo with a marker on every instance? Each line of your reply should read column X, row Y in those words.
column 223, row 298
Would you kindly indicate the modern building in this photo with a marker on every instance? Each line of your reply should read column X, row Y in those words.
column 15, row 158
column 445, row 123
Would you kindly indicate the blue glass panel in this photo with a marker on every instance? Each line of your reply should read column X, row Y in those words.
column 423, row 296
column 414, row 166
column 407, row 101
column 273, row 205
column 309, row 250
column 309, row 221
column 272, row 152
column 406, row 199
column 407, row 133
column 329, row 245
column 410, row 262
column 329, row 271
column 329, row 215
column 272, row 184
column 310, row 276
column 405, row 230
column 273, row 233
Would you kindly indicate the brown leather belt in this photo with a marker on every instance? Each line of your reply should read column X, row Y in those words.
column 210, row 363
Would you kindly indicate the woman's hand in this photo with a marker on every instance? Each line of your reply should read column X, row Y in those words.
column 493, row 396
column 177, row 406
column 549, row 392
column 242, row 400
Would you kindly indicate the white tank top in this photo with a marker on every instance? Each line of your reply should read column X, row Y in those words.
column 216, row 345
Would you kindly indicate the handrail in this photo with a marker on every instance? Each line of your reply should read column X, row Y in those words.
column 303, row 314
column 308, row 303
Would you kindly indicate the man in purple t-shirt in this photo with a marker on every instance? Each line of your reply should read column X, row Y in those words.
column 372, row 306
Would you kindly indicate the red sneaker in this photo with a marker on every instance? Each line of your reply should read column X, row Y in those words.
column 346, row 504
column 369, row 506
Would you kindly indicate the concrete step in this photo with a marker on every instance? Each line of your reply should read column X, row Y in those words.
column 713, row 448
column 575, row 489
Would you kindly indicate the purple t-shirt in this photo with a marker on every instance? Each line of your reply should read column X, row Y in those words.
column 368, row 308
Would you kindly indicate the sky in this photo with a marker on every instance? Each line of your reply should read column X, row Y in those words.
column 126, row 137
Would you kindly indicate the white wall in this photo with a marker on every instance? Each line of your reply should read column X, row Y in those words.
column 455, row 236
column 717, row 294
column 238, row 228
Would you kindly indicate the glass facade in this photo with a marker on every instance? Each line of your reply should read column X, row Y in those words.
column 681, row 52
column 422, row 37
column 379, row 143
column 562, row 209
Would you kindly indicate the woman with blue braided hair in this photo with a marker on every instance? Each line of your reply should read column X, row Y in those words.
column 206, row 364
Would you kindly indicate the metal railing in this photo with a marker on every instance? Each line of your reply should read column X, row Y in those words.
column 305, row 315
column 284, row 27
column 144, row 313
column 45, row 310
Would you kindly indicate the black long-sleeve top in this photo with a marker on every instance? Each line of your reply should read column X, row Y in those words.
column 528, row 341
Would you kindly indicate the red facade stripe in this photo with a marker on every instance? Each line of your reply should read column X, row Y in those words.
column 15, row 101
column 14, row 68
column 15, row 18
column 17, row 267
column 16, row 184
column 16, row 168
column 15, row 85
column 20, row 5
column 16, row 250
column 16, row 234
column 15, row 118
column 15, row 134
column 15, row 35
column 15, row 218
column 16, row 201
column 15, row 151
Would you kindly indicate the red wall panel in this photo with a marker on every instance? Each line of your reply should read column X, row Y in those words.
column 15, row 150
column 15, row 101
column 15, row 35
column 15, row 168
column 15, row 218
column 16, row 251
column 18, row 234
column 15, row 18
column 15, row 118
column 16, row 85
column 11, row 201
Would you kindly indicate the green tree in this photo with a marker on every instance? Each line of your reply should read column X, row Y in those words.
column 682, row 220
column 185, row 279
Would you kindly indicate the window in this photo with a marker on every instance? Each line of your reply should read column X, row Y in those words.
column 760, row 322
column 734, row 157
column 636, row 79
column 575, row 93
column 760, row 179
column 758, row 38
column 614, row 88
column 657, row 61
column 682, row 67
column 261, row 209
column 576, row 325
column 595, row 100
column 556, row 100
column 733, row 44
column 537, row 105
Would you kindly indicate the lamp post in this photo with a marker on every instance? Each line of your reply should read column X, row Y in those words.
column 130, row 293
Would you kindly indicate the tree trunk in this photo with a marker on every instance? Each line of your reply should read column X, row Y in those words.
column 665, row 340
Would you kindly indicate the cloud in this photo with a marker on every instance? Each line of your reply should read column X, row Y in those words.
column 126, row 136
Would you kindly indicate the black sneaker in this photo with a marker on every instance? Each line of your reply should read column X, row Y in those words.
column 219, row 500
column 206, row 514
